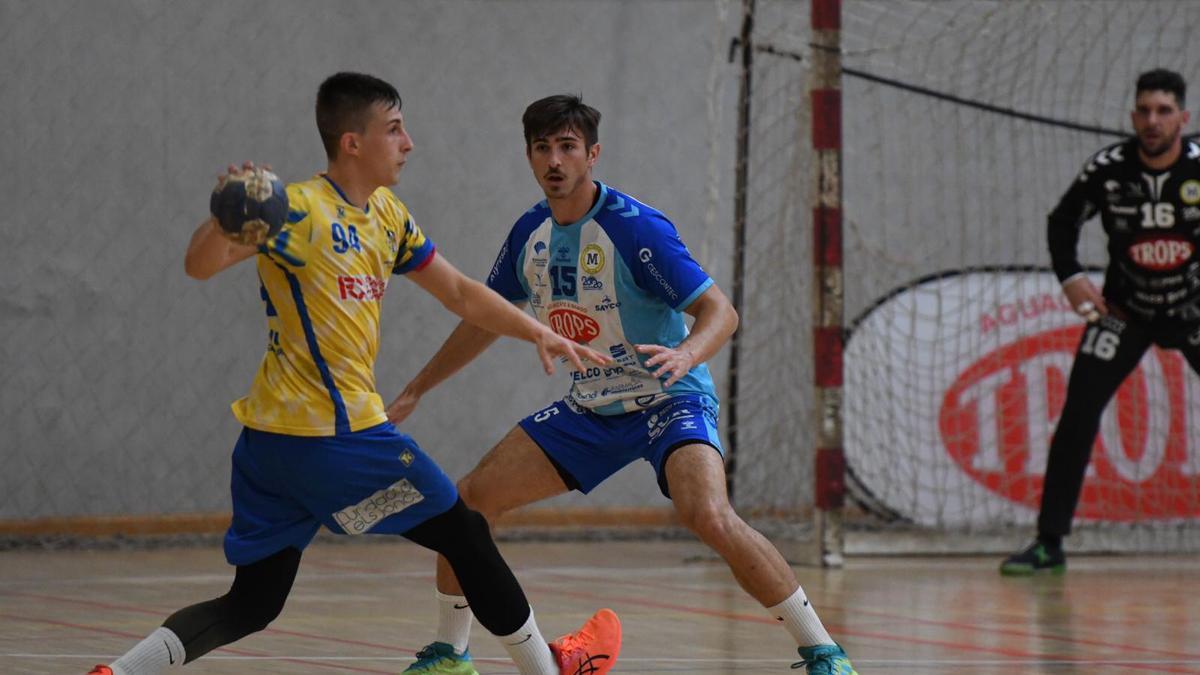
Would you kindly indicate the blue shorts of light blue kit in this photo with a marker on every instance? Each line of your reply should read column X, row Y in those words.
column 591, row 447
column 374, row 481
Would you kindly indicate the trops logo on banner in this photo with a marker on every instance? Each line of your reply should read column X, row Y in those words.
column 953, row 390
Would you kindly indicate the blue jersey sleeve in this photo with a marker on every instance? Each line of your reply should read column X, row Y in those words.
column 504, row 277
column 664, row 266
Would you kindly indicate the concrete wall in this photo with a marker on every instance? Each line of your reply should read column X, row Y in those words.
column 118, row 114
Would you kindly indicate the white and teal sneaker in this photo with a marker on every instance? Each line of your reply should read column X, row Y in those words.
column 439, row 657
column 825, row 660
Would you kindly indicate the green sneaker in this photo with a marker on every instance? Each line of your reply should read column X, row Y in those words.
column 825, row 660
column 1037, row 557
column 439, row 657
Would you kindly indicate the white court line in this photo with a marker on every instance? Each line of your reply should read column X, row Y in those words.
column 590, row 573
column 938, row 663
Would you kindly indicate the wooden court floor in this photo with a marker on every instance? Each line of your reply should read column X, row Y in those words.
column 366, row 608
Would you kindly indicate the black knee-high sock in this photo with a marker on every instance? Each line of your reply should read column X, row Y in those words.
column 464, row 538
column 255, row 599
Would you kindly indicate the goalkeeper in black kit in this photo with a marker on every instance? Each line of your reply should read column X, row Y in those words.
column 1146, row 191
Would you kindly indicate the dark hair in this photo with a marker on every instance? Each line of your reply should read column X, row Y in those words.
column 344, row 103
column 1161, row 79
column 557, row 113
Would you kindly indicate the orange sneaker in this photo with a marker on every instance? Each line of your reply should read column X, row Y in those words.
column 591, row 650
column 100, row 670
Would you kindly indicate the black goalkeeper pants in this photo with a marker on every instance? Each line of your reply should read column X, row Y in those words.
column 1108, row 351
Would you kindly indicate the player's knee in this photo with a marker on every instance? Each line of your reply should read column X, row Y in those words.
column 260, row 590
column 466, row 490
column 475, row 524
column 712, row 523
column 476, row 498
column 472, row 538
column 468, row 523
column 254, row 611
column 258, row 618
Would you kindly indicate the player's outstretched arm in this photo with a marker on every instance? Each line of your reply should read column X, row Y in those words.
column 483, row 307
column 210, row 251
column 466, row 342
column 716, row 320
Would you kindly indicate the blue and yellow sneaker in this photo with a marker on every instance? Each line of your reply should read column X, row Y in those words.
column 1037, row 557
column 439, row 657
column 825, row 660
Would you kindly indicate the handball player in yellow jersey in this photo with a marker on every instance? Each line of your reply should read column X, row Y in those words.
column 317, row 447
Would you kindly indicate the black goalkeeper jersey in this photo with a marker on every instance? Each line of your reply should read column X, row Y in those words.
column 1152, row 219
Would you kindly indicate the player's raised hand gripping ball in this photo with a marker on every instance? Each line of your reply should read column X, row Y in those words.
column 250, row 205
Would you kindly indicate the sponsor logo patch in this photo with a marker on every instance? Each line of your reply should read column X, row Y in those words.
column 662, row 281
column 361, row 287
column 591, row 259
column 995, row 402
column 607, row 304
column 1189, row 192
column 573, row 406
column 496, row 265
column 1161, row 253
column 660, row 421
column 645, row 255
column 361, row 517
column 573, row 324
column 622, row 355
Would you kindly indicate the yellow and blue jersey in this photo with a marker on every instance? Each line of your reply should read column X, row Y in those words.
column 323, row 278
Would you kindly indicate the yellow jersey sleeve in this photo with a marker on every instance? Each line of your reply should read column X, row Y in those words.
column 292, row 245
column 415, row 250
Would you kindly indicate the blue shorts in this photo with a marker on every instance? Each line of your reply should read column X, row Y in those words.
column 589, row 447
column 284, row 488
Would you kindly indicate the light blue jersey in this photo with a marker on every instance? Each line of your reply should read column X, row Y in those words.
column 618, row 277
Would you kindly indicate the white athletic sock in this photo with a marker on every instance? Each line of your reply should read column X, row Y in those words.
column 159, row 651
column 529, row 650
column 454, row 621
column 800, row 619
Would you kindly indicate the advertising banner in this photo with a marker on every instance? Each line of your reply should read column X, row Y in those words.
column 954, row 387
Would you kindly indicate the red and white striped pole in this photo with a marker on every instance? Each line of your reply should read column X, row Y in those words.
column 825, row 92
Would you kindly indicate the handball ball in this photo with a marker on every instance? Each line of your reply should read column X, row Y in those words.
column 250, row 205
